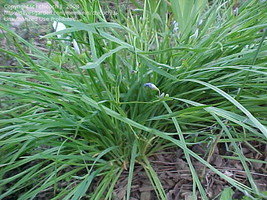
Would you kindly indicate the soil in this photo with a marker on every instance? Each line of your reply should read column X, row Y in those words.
column 175, row 175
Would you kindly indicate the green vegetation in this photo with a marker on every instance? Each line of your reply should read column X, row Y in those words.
column 84, row 119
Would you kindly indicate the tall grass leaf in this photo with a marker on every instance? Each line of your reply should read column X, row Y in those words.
column 233, row 101
column 188, row 159
column 102, row 58
column 131, row 170
column 81, row 189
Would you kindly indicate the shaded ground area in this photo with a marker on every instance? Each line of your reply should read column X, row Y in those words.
column 176, row 178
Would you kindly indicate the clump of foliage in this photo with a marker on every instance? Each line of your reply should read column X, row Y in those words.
column 73, row 118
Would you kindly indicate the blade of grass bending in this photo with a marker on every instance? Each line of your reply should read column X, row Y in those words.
column 67, row 30
column 97, row 62
column 247, row 159
column 261, row 127
column 81, row 189
column 81, row 25
column 239, row 153
column 226, row 114
column 158, row 70
column 192, row 169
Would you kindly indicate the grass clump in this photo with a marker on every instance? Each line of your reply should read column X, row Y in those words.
column 84, row 119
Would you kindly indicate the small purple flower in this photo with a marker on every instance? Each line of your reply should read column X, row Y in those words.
column 151, row 86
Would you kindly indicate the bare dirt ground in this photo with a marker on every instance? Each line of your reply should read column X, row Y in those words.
column 175, row 175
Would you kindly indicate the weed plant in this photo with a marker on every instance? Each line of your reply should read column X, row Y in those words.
column 156, row 75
